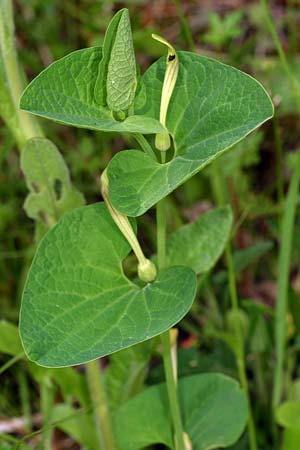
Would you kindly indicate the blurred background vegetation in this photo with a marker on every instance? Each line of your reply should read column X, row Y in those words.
column 255, row 179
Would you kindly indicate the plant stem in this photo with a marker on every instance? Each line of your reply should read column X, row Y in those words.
column 172, row 391
column 285, row 64
column 146, row 147
column 100, row 408
column 13, row 440
column 279, row 160
column 165, row 338
column 11, row 362
column 284, row 270
column 47, row 400
column 240, row 354
column 27, row 126
column 25, row 398
column 185, row 26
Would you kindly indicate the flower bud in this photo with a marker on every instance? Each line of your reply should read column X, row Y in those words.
column 147, row 271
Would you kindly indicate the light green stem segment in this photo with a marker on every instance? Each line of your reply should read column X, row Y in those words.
column 11, row 362
column 144, row 144
column 24, row 394
column 240, row 354
column 165, row 338
column 279, row 160
column 24, row 126
column 47, row 402
column 101, row 412
column 284, row 270
column 146, row 268
column 270, row 24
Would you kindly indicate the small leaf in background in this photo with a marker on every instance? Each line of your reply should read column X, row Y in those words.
column 247, row 256
column 259, row 335
column 77, row 303
column 213, row 106
column 294, row 307
column 7, row 446
column 71, row 382
column 64, row 92
column 214, row 414
column 77, row 424
column 288, row 416
column 126, row 373
column 47, row 177
column 238, row 317
column 244, row 258
column 10, row 342
column 223, row 30
column 199, row 245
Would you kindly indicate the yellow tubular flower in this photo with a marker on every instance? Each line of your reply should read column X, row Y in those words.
column 162, row 141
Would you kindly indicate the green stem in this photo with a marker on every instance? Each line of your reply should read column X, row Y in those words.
column 17, row 443
column 100, row 408
column 284, row 270
column 185, row 26
column 284, row 62
column 146, row 147
column 172, row 391
column 165, row 338
column 240, row 353
column 47, row 401
column 11, row 362
column 25, row 398
column 279, row 160
column 27, row 126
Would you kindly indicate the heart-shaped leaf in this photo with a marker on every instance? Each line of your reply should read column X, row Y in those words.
column 214, row 412
column 213, row 106
column 198, row 245
column 78, row 305
column 64, row 92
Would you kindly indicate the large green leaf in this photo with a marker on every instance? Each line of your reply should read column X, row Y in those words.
column 199, row 245
column 78, row 305
column 213, row 106
column 47, row 177
column 64, row 92
column 214, row 414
